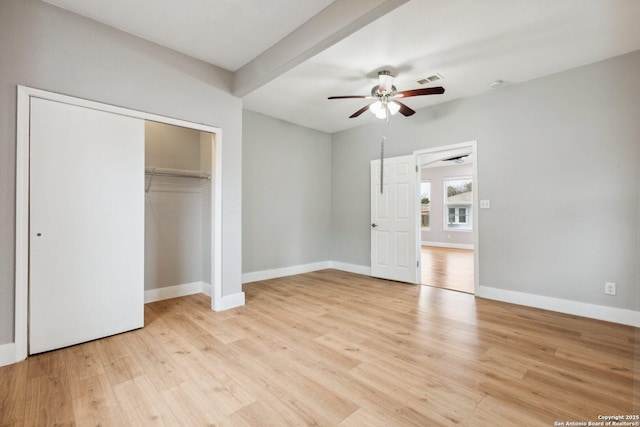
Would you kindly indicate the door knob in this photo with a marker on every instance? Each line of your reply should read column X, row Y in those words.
column 374, row 225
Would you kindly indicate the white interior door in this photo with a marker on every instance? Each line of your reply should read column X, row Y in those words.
column 394, row 220
column 86, row 225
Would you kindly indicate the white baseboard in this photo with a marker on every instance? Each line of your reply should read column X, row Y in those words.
column 225, row 303
column 8, row 354
column 160, row 294
column 206, row 289
column 275, row 273
column 256, row 276
column 448, row 245
column 351, row 268
column 229, row 301
column 593, row 311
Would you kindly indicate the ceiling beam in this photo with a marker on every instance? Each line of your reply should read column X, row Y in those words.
column 334, row 23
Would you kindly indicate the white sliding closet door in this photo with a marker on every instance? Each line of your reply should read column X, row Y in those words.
column 86, row 225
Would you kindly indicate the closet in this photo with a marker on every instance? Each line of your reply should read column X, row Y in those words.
column 178, row 171
column 119, row 208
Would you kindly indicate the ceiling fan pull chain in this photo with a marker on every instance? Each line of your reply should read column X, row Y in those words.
column 382, row 164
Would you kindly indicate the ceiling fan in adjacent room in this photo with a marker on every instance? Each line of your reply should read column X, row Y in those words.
column 386, row 97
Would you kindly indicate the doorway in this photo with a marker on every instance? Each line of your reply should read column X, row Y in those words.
column 448, row 225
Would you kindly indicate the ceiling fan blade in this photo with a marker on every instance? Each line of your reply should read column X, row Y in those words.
column 347, row 97
column 360, row 111
column 404, row 110
column 425, row 91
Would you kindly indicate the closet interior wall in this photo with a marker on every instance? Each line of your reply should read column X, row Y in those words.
column 177, row 209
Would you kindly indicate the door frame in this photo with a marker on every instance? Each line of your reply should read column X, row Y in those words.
column 473, row 145
column 24, row 95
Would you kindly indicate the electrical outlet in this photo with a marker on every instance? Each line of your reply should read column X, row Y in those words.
column 609, row 288
column 485, row 204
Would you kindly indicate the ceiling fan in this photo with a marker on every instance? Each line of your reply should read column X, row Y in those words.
column 456, row 159
column 386, row 97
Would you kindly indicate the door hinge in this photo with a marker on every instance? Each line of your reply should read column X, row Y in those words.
column 417, row 170
column 417, row 264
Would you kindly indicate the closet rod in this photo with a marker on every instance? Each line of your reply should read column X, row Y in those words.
column 151, row 172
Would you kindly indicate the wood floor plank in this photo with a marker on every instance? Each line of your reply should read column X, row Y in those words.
column 13, row 390
column 82, row 361
column 48, row 400
column 447, row 268
column 157, row 364
column 94, row 403
column 142, row 404
column 331, row 348
column 192, row 406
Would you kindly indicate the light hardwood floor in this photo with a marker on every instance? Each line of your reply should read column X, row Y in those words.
column 448, row 268
column 334, row 349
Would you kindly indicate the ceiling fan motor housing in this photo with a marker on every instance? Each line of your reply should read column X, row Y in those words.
column 378, row 91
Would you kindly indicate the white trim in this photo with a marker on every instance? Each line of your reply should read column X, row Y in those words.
column 351, row 268
column 22, row 225
column 275, row 273
column 215, row 291
column 24, row 94
column 8, row 354
column 256, row 276
column 228, row 302
column 448, row 245
column 593, row 311
column 159, row 294
column 206, row 289
column 81, row 102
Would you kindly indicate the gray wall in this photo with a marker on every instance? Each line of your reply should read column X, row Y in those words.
column 173, row 147
column 559, row 159
column 286, row 194
column 48, row 48
column 437, row 233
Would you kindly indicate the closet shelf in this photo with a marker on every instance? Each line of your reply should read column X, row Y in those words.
column 177, row 173
column 174, row 173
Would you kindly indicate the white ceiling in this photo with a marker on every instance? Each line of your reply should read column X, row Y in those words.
column 226, row 33
column 289, row 55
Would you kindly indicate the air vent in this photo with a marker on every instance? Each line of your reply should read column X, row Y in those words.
column 430, row 79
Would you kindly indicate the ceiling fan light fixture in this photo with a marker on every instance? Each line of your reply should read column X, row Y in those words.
column 377, row 108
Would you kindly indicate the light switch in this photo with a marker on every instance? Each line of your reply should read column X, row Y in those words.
column 485, row 204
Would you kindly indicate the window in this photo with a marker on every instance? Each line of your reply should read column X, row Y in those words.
column 459, row 203
column 425, row 204
column 458, row 215
column 462, row 215
column 452, row 215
